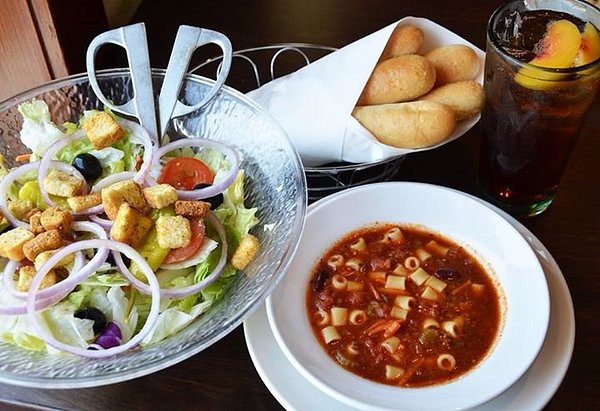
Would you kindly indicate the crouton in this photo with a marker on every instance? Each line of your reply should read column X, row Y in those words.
column 26, row 275
column 191, row 208
column 124, row 191
column 173, row 231
column 45, row 256
column 48, row 240
column 59, row 183
column 130, row 226
column 55, row 218
column 245, row 252
column 160, row 196
column 20, row 208
column 102, row 130
column 80, row 203
column 35, row 223
column 12, row 242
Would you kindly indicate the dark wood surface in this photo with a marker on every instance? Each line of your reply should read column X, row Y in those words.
column 223, row 377
column 44, row 39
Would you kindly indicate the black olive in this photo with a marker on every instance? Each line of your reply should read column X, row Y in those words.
column 215, row 200
column 319, row 281
column 111, row 259
column 88, row 165
column 446, row 274
column 92, row 313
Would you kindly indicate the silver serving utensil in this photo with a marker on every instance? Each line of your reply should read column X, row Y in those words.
column 156, row 118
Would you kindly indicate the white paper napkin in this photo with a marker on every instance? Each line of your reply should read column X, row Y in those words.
column 314, row 104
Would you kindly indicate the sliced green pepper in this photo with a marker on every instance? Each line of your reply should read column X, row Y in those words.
column 4, row 224
column 150, row 249
column 30, row 191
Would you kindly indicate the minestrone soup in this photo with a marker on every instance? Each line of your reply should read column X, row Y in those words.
column 403, row 306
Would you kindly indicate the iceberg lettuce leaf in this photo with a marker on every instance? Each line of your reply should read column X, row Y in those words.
column 81, row 296
column 61, row 322
column 16, row 329
column 168, row 323
column 38, row 131
column 237, row 219
column 105, row 280
column 173, row 320
column 75, row 147
column 214, row 159
column 125, row 318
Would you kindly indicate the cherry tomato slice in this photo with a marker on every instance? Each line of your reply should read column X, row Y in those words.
column 184, row 173
column 177, row 255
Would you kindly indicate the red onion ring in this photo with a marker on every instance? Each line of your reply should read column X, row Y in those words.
column 140, row 136
column 105, row 182
column 46, row 163
column 39, row 305
column 11, row 266
column 67, row 168
column 9, row 271
column 75, row 276
column 22, row 308
column 90, row 227
column 101, row 245
column 198, row 142
column 14, row 174
column 5, row 184
column 111, row 179
column 184, row 291
column 102, row 222
column 97, row 209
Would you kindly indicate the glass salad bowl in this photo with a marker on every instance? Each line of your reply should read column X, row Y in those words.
column 275, row 185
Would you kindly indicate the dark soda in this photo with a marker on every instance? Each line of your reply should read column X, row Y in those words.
column 529, row 132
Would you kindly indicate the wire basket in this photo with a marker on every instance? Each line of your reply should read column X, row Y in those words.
column 253, row 67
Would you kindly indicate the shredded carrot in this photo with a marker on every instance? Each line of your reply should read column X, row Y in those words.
column 379, row 279
column 374, row 291
column 376, row 325
column 411, row 371
column 138, row 162
column 23, row 157
column 378, row 329
column 392, row 328
column 461, row 287
column 381, row 327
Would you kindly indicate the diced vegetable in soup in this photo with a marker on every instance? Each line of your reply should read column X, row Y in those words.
column 402, row 306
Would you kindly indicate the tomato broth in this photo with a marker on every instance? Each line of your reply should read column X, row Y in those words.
column 403, row 306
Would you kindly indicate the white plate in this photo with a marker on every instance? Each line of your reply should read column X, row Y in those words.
column 467, row 222
column 533, row 390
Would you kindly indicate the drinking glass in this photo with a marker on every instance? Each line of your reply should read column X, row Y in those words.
column 533, row 115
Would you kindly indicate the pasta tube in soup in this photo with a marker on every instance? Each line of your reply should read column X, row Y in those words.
column 403, row 306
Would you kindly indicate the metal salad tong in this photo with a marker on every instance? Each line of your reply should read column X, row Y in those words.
column 155, row 117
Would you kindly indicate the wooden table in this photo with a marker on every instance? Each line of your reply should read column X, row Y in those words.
column 223, row 377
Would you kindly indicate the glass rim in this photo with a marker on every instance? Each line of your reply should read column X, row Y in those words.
column 493, row 40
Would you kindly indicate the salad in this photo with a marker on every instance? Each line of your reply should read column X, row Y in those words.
column 109, row 243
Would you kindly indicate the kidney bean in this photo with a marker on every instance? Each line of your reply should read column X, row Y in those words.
column 319, row 280
column 447, row 274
